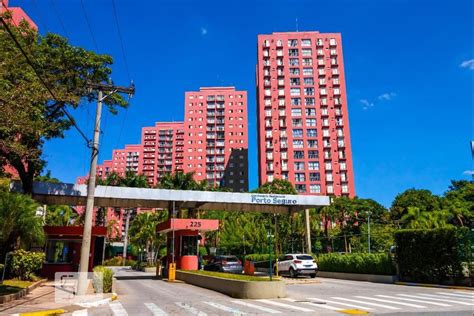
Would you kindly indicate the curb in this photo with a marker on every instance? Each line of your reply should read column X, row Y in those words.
column 49, row 312
column 15, row 296
column 454, row 287
column 101, row 302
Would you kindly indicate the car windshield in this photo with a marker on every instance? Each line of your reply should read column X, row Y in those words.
column 230, row 259
column 304, row 257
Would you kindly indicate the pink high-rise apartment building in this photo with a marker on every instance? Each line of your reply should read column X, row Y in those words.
column 162, row 150
column 17, row 13
column 216, row 136
column 123, row 161
column 303, row 123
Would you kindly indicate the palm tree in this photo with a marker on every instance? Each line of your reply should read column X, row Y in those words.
column 19, row 224
column 180, row 181
column 143, row 233
column 60, row 215
column 417, row 219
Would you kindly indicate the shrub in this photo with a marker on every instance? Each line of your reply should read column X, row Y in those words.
column 118, row 261
column 139, row 266
column 107, row 276
column 23, row 264
column 434, row 255
column 370, row 263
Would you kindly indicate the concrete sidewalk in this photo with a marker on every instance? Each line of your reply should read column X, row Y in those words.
column 41, row 299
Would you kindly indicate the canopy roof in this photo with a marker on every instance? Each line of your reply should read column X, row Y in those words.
column 126, row 197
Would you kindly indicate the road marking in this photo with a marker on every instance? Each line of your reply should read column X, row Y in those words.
column 416, row 301
column 468, row 293
column 448, row 299
column 155, row 309
column 435, row 299
column 117, row 309
column 81, row 312
column 390, row 301
column 353, row 312
column 312, row 304
column 366, row 303
column 225, row 308
column 190, row 309
column 339, row 303
column 302, row 309
column 263, row 309
column 470, row 297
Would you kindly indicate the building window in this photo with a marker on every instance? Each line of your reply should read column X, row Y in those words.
column 295, row 91
column 315, row 188
column 313, row 165
column 294, row 61
column 309, row 101
column 297, row 133
column 309, row 91
column 310, row 122
column 300, row 177
column 306, row 52
column 307, row 62
column 295, row 101
column 308, row 81
column 314, row 176
column 294, row 81
column 299, row 165
column 306, row 42
column 293, row 53
column 313, row 154
column 297, row 122
column 310, row 112
column 301, row 188
column 345, row 188
column 307, row 71
column 296, row 112
column 298, row 143
column 292, row 42
column 298, row 154
column 312, row 143
column 294, row 71
column 311, row 132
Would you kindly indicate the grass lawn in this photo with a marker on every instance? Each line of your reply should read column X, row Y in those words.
column 232, row 276
column 13, row 286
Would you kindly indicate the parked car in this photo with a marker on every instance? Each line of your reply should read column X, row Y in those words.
column 297, row 264
column 229, row 264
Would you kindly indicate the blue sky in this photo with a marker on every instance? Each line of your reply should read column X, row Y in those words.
column 409, row 70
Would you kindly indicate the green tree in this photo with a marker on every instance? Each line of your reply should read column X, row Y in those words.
column 424, row 200
column 30, row 115
column 277, row 186
column 181, row 181
column 143, row 233
column 19, row 225
column 60, row 215
column 458, row 201
column 418, row 219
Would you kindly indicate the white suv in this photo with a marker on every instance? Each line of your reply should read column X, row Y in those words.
column 297, row 264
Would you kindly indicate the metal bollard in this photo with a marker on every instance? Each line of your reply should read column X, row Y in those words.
column 172, row 272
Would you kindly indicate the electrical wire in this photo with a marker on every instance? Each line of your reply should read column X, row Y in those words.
column 58, row 15
column 89, row 26
column 28, row 60
column 114, row 7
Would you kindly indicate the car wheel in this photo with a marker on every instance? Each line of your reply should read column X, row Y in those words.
column 292, row 273
column 312, row 275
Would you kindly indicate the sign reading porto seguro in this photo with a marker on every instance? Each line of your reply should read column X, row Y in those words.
column 273, row 199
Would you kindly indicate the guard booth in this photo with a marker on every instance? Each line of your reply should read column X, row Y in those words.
column 183, row 240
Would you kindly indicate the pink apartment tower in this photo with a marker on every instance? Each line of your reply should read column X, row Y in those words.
column 303, row 122
column 216, row 137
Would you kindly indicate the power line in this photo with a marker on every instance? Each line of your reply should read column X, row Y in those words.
column 56, row 12
column 89, row 26
column 28, row 60
column 121, row 39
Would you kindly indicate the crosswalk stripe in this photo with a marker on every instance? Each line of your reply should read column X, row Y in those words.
column 314, row 305
column 423, row 296
column 366, row 303
column 390, row 301
column 340, row 303
column 286, row 305
column 457, row 295
column 117, row 309
column 155, row 309
column 416, row 301
column 263, row 309
column 471, row 294
column 190, row 309
column 452, row 299
column 225, row 308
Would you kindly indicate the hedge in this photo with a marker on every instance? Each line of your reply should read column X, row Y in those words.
column 118, row 261
column 369, row 263
column 434, row 256
column 23, row 264
column 107, row 275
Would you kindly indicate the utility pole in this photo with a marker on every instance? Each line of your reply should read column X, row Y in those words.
column 308, row 231
column 87, row 233
column 368, row 229
column 125, row 239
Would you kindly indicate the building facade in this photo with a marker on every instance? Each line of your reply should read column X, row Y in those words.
column 303, row 123
column 17, row 13
column 216, row 136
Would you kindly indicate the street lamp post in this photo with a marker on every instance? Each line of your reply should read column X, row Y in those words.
column 270, row 269
column 368, row 228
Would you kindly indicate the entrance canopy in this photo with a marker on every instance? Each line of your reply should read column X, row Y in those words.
column 126, row 197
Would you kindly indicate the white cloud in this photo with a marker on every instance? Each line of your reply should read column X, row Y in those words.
column 469, row 172
column 469, row 64
column 203, row 31
column 387, row 96
column 366, row 104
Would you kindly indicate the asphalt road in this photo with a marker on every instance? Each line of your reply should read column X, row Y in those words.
column 141, row 295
